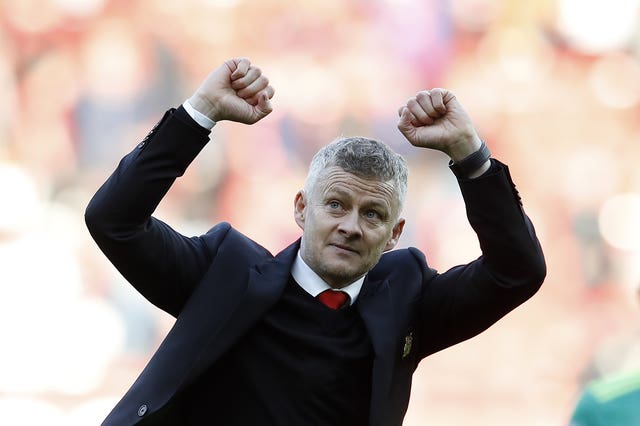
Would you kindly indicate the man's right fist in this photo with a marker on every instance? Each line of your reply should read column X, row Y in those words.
column 235, row 91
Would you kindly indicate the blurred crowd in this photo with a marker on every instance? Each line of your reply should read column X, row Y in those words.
column 553, row 86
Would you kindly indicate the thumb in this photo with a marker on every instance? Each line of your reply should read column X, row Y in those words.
column 239, row 66
column 264, row 106
column 404, row 123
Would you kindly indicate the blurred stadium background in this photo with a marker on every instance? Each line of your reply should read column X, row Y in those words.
column 553, row 85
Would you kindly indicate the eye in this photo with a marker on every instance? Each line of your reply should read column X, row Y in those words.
column 372, row 214
column 334, row 205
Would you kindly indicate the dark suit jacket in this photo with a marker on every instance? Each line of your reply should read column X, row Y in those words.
column 219, row 284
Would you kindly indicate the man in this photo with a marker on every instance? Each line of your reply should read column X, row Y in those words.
column 251, row 344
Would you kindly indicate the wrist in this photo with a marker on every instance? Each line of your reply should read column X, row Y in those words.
column 464, row 147
column 202, row 120
column 474, row 164
column 205, row 107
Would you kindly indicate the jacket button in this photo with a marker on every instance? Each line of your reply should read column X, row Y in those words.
column 142, row 410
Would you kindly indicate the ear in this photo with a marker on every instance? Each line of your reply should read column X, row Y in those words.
column 395, row 235
column 299, row 208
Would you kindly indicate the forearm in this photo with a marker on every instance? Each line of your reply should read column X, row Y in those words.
column 510, row 248
column 159, row 262
column 467, row 299
column 127, row 199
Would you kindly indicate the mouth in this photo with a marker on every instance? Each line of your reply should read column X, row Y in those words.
column 345, row 248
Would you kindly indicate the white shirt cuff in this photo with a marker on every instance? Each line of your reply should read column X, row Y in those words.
column 198, row 117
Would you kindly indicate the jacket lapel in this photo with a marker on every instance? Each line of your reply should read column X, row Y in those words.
column 264, row 288
column 215, row 316
column 376, row 310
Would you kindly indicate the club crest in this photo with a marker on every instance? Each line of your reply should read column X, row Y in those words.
column 408, row 342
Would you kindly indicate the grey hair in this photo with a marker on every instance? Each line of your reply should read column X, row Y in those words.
column 363, row 157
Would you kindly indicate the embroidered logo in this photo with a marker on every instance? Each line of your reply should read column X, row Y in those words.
column 408, row 341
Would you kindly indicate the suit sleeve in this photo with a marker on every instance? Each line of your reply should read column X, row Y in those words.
column 467, row 299
column 163, row 265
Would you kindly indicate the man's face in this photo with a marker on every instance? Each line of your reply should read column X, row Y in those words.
column 347, row 223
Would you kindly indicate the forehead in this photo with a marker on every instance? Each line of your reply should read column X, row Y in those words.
column 335, row 180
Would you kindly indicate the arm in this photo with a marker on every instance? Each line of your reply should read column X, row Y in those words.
column 467, row 299
column 162, row 264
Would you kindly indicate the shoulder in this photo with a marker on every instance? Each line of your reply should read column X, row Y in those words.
column 615, row 386
column 619, row 394
column 402, row 264
column 225, row 237
column 411, row 257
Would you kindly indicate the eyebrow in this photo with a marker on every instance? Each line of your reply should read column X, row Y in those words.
column 376, row 204
column 336, row 191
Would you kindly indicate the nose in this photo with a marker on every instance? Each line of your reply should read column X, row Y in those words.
column 349, row 226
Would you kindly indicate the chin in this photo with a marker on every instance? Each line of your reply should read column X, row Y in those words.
column 344, row 277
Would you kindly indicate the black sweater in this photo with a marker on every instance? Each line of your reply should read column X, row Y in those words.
column 303, row 364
